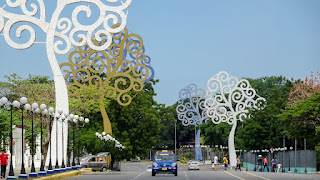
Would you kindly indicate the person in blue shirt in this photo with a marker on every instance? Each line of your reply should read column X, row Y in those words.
column 274, row 162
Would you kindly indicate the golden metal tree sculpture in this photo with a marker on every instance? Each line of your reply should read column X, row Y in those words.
column 122, row 68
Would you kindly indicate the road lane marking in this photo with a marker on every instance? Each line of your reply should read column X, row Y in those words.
column 256, row 175
column 138, row 175
column 185, row 174
column 234, row 175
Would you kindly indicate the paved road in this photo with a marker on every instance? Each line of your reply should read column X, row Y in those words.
column 137, row 171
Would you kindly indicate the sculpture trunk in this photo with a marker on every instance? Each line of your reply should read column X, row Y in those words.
column 61, row 91
column 106, row 121
column 232, row 151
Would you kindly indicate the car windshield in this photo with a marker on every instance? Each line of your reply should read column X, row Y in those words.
column 85, row 158
column 164, row 157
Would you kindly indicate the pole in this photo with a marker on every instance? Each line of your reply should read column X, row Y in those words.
column 284, row 150
column 50, row 161
column 175, row 138
column 305, row 153
column 68, row 149
column 41, row 150
column 295, row 155
column 23, row 170
column 255, row 161
column 195, row 136
column 78, row 144
column 73, row 163
column 63, row 165
column 32, row 153
column 57, row 163
column 11, row 173
column 289, row 158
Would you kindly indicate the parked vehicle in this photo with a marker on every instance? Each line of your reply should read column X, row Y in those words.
column 97, row 163
column 137, row 159
column 103, row 154
column 193, row 165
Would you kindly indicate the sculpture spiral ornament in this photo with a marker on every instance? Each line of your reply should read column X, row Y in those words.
column 191, row 109
column 62, row 33
column 124, row 66
column 228, row 100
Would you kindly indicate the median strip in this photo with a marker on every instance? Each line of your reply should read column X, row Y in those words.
column 65, row 174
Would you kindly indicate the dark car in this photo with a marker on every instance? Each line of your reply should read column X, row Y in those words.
column 96, row 163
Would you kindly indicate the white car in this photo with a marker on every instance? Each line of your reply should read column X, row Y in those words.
column 149, row 168
column 193, row 165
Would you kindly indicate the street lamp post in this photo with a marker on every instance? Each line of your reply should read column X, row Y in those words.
column 15, row 104
column 175, row 138
column 63, row 118
column 75, row 120
column 50, row 169
column 84, row 121
column 284, row 150
column 295, row 156
column 44, row 112
column 27, row 107
column 305, row 153
column 70, row 120
column 56, row 167
column 35, row 109
column 255, row 160
column 290, row 158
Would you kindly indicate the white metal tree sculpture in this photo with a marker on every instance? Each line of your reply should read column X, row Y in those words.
column 228, row 100
column 62, row 34
column 191, row 109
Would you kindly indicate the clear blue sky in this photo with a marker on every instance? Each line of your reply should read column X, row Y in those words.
column 189, row 41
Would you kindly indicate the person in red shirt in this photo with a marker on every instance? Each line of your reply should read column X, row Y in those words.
column 265, row 163
column 4, row 162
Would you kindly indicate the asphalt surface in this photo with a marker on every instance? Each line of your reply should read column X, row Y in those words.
column 137, row 171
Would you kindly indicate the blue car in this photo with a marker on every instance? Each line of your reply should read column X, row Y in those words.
column 164, row 162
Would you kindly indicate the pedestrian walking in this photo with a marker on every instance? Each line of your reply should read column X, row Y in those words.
column 238, row 163
column 279, row 167
column 259, row 162
column 215, row 162
column 225, row 162
column 265, row 163
column 4, row 162
column 274, row 164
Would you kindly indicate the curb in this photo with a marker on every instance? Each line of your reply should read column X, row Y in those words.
column 64, row 174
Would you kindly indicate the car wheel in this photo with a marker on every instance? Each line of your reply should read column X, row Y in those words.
column 153, row 173
column 104, row 169
column 176, row 173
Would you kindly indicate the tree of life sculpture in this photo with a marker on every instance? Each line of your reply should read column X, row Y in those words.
column 191, row 109
column 228, row 100
column 60, row 36
column 122, row 68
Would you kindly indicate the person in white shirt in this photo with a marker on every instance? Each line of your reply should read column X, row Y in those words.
column 215, row 162
column 279, row 167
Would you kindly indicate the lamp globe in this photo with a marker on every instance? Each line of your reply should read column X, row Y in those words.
column 27, row 107
column 23, row 100
column 16, row 104
column 34, row 106
column 51, row 110
column 4, row 100
column 43, row 107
